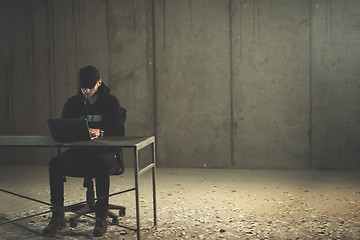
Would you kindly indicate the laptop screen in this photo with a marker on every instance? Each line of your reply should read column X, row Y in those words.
column 69, row 129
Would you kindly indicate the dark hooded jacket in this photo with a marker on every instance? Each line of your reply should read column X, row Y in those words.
column 105, row 114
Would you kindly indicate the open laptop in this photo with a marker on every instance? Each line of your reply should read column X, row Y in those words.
column 69, row 129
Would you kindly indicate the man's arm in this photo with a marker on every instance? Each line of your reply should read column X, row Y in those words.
column 114, row 123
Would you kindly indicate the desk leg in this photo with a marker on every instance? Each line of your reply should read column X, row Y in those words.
column 136, row 167
column 154, row 182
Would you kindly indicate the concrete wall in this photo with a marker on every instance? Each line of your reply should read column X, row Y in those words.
column 193, row 82
column 335, row 84
column 271, row 96
column 236, row 83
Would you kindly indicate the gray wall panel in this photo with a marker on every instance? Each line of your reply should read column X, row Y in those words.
column 18, row 67
column 193, row 94
column 40, row 73
column 130, row 62
column 336, row 84
column 271, row 83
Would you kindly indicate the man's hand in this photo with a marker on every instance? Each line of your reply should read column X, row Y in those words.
column 94, row 132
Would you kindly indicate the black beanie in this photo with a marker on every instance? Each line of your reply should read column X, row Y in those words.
column 88, row 76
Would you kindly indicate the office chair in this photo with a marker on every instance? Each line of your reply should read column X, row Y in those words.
column 89, row 206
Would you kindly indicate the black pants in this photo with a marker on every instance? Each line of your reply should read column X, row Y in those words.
column 97, row 163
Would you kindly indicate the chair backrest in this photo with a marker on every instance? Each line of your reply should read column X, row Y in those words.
column 123, row 113
column 120, row 155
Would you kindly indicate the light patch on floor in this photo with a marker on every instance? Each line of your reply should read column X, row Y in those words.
column 201, row 204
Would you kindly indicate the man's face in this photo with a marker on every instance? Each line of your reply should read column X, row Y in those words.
column 90, row 92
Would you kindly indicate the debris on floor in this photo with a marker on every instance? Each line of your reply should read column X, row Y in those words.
column 231, row 204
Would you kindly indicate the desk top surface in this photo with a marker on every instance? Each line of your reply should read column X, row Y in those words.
column 48, row 141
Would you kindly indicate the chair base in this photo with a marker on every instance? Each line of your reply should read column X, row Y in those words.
column 90, row 208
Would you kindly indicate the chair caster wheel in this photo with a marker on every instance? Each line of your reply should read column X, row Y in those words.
column 73, row 223
column 122, row 212
column 115, row 220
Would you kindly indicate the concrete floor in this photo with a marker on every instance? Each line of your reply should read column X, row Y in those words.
column 202, row 204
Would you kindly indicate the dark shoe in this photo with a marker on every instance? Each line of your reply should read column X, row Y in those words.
column 100, row 228
column 57, row 222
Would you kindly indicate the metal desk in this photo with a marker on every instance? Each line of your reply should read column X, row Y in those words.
column 136, row 143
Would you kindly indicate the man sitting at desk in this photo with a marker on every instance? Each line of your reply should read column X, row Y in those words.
column 105, row 118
